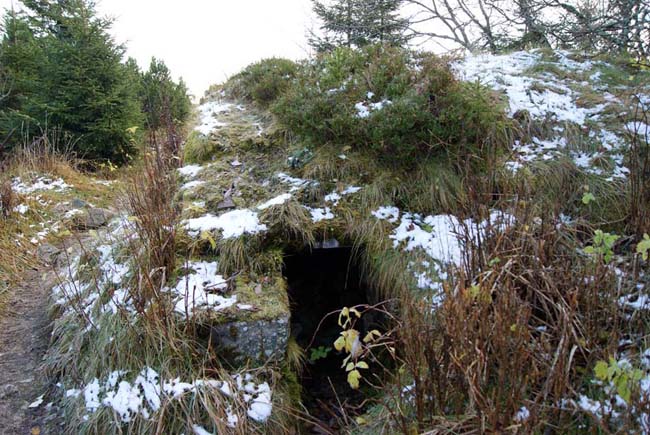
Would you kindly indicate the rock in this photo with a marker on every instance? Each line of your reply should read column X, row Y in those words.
column 93, row 218
column 226, row 204
column 48, row 253
column 257, row 340
column 78, row 203
column 66, row 207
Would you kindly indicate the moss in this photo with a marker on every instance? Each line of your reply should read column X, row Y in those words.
column 268, row 297
column 292, row 385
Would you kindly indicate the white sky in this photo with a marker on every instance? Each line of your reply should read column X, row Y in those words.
column 205, row 41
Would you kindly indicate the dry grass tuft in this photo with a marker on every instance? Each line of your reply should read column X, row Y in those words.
column 50, row 153
column 290, row 221
column 521, row 326
column 7, row 199
column 150, row 198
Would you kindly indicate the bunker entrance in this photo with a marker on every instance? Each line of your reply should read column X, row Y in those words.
column 320, row 282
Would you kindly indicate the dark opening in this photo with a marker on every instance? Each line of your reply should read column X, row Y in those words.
column 321, row 281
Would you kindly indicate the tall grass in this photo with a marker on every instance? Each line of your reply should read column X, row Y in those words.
column 150, row 198
column 51, row 152
column 144, row 330
column 7, row 199
column 48, row 153
column 639, row 157
column 519, row 329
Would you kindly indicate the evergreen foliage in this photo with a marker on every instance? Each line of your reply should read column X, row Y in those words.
column 262, row 82
column 162, row 98
column 61, row 68
column 400, row 106
column 356, row 23
column 66, row 71
column 20, row 69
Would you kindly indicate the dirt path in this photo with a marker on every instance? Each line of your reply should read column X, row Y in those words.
column 24, row 337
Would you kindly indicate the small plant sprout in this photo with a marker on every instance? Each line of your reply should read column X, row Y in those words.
column 588, row 198
column 350, row 343
column 603, row 245
column 319, row 353
column 619, row 374
column 643, row 247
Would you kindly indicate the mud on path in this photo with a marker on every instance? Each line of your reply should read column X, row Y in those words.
column 25, row 330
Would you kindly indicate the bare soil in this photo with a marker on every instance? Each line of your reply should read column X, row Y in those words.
column 24, row 337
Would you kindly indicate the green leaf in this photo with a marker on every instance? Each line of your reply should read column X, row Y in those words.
column 362, row 365
column 353, row 379
column 623, row 387
column 339, row 344
column 643, row 247
column 600, row 370
column 370, row 336
column 587, row 198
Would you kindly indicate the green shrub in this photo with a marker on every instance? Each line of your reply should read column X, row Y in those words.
column 262, row 82
column 397, row 104
column 198, row 148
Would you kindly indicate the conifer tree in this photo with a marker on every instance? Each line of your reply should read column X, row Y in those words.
column 80, row 83
column 161, row 97
column 381, row 22
column 355, row 23
column 20, row 69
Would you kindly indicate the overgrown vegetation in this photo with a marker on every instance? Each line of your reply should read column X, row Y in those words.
column 400, row 106
column 509, row 296
column 515, row 338
column 262, row 82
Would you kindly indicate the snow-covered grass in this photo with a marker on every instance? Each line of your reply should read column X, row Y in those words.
column 190, row 171
column 539, row 96
column 278, row 200
column 232, row 224
column 320, row 214
column 446, row 241
column 148, row 393
column 134, row 371
column 208, row 116
column 200, row 289
column 550, row 98
column 294, row 183
column 41, row 183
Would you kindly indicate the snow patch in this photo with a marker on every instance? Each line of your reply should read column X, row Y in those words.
column 40, row 184
column 145, row 395
column 232, row 224
column 207, row 114
column 200, row 289
column 320, row 214
column 281, row 199
column 190, row 171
